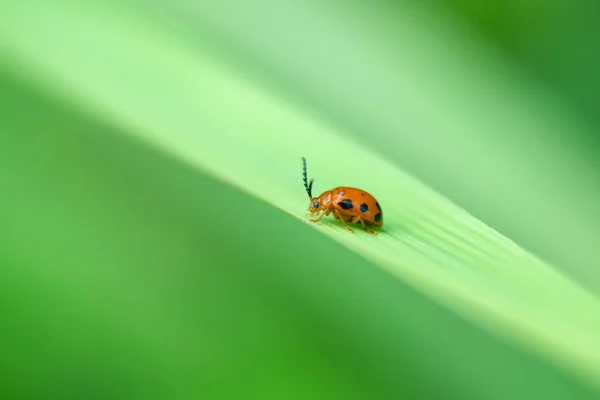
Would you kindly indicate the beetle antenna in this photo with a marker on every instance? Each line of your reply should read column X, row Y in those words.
column 307, row 186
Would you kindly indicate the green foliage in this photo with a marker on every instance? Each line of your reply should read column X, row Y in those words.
column 147, row 255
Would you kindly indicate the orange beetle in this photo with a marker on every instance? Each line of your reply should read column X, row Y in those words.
column 347, row 204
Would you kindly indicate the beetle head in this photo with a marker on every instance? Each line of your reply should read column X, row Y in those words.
column 315, row 205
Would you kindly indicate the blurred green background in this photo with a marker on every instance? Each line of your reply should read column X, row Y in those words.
column 130, row 273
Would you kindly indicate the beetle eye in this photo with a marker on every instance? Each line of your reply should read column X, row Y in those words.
column 316, row 204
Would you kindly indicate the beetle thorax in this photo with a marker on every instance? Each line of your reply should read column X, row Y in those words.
column 325, row 200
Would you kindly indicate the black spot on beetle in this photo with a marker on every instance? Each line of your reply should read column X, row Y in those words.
column 378, row 207
column 378, row 217
column 316, row 204
column 346, row 204
column 364, row 208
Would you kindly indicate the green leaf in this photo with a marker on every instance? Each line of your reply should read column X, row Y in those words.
column 184, row 101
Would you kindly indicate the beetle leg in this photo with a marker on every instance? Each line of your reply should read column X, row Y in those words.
column 336, row 212
column 365, row 227
column 318, row 219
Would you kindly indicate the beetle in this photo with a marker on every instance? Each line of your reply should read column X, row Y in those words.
column 346, row 203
